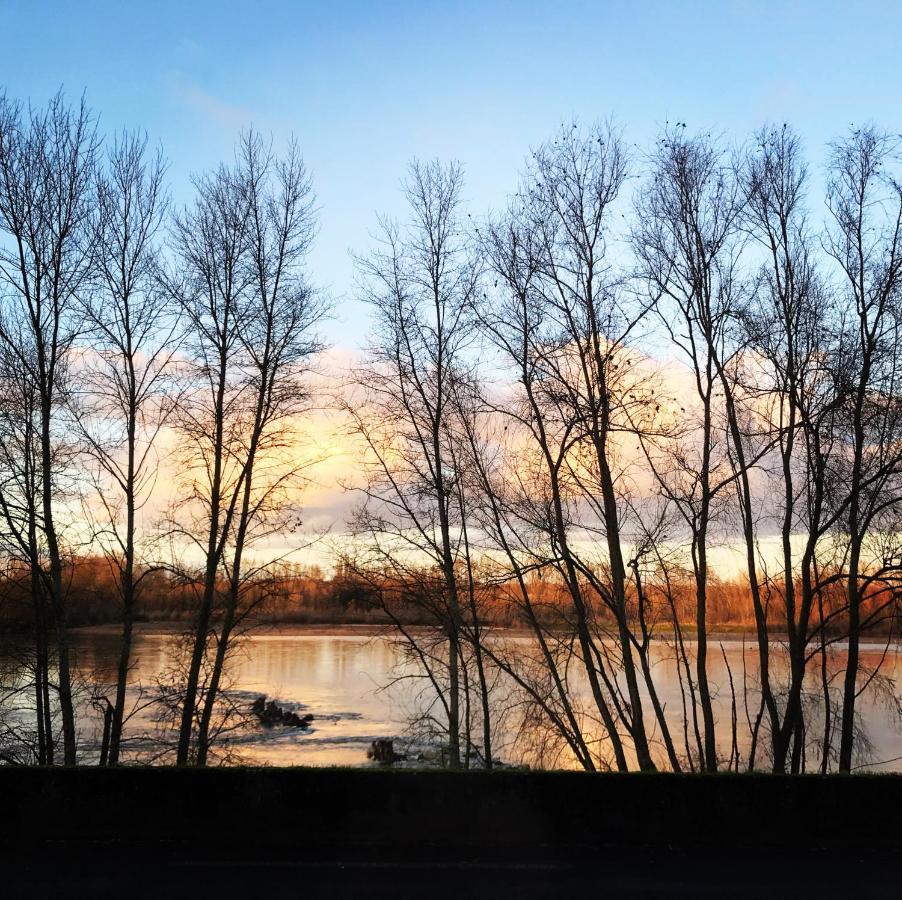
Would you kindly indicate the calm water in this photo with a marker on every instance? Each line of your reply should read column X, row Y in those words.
column 340, row 676
column 337, row 676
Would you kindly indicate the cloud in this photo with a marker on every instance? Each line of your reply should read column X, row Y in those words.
column 215, row 110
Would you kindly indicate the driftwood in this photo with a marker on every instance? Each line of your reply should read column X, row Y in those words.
column 383, row 751
column 271, row 714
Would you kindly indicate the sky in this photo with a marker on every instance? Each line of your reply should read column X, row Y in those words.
column 366, row 87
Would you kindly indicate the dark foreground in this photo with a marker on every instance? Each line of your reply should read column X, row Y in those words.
column 362, row 833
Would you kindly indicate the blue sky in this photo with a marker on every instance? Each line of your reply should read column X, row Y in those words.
column 367, row 86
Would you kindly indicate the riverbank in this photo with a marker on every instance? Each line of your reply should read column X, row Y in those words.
column 422, row 833
column 351, row 625
column 271, row 628
column 739, row 634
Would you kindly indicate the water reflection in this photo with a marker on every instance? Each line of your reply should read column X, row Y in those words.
column 340, row 676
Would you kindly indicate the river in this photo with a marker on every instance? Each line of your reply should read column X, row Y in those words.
column 347, row 679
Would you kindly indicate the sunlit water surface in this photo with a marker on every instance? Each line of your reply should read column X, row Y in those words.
column 348, row 679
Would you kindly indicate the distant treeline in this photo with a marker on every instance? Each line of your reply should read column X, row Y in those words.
column 300, row 594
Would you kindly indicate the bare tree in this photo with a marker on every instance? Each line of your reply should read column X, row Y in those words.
column 791, row 326
column 685, row 230
column 864, row 197
column 210, row 241
column 563, row 322
column 47, row 160
column 421, row 287
column 125, row 389
column 20, row 504
column 250, row 316
column 279, row 314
